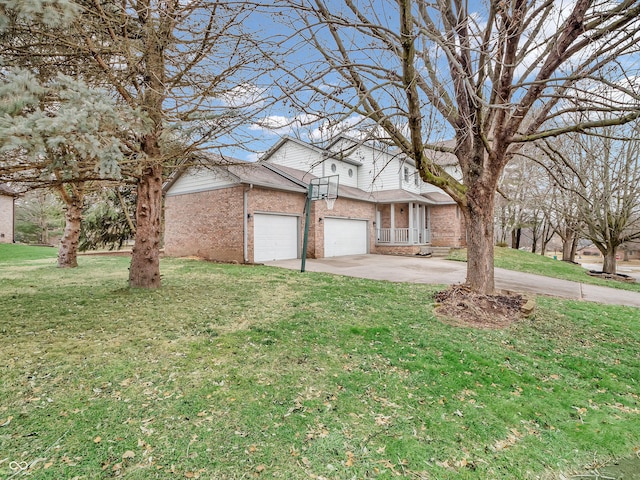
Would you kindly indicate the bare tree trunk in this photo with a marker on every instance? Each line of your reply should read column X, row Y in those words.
column 574, row 248
column 480, row 271
column 609, row 265
column 144, row 271
column 503, row 226
column 68, row 251
column 534, row 243
column 567, row 245
column 547, row 235
column 518, row 237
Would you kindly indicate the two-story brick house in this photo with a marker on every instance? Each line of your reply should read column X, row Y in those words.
column 254, row 212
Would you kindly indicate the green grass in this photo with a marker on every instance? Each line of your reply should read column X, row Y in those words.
column 511, row 259
column 16, row 253
column 232, row 371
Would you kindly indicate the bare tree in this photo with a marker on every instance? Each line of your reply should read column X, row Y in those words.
column 492, row 78
column 184, row 65
column 522, row 188
column 600, row 175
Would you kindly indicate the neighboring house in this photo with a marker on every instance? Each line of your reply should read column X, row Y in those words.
column 250, row 213
column 7, row 209
column 631, row 251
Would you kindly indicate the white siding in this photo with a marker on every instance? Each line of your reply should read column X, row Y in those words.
column 410, row 184
column 342, row 170
column 379, row 170
column 294, row 155
column 428, row 188
column 452, row 170
column 373, row 162
column 200, row 180
column 388, row 173
column 343, row 145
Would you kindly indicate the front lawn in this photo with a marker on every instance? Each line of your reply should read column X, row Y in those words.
column 232, row 371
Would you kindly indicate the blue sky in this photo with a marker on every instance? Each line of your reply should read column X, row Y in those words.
column 284, row 119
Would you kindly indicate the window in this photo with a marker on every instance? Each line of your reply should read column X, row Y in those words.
column 406, row 174
column 415, row 179
column 333, row 167
column 350, row 172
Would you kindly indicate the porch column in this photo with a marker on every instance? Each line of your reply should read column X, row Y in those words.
column 418, row 223
column 392, row 232
column 410, row 235
column 423, row 224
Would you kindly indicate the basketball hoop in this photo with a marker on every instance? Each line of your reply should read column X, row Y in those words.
column 330, row 203
column 324, row 188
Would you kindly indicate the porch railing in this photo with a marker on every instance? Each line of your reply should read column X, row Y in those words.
column 404, row 236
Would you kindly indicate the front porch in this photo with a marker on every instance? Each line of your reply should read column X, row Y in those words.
column 402, row 224
column 403, row 236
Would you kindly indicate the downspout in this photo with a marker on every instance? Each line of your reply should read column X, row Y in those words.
column 13, row 220
column 245, row 211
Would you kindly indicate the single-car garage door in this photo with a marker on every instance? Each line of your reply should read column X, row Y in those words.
column 275, row 237
column 343, row 236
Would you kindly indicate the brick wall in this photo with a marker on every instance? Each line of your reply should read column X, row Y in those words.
column 398, row 249
column 401, row 219
column 206, row 224
column 262, row 200
column 211, row 224
column 6, row 219
column 344, row 208
column 447, row 226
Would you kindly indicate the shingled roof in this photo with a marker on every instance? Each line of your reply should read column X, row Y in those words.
column 6, row 190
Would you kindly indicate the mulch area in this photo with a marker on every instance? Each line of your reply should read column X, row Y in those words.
column 459, row 305
column 619, row 277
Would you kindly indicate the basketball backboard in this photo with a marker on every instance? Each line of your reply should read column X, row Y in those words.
column 324, row 188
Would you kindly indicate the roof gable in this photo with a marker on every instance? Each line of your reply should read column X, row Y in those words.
column 323, row 153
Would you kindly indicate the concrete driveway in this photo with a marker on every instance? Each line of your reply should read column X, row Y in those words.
column 438, row 271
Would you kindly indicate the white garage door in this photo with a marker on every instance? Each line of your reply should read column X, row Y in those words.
column 275, row 237
column 344, row 237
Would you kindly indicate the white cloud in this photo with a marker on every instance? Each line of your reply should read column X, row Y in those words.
column 253, row 156
column 243, row 96
column 328, row 129
column 282, row 125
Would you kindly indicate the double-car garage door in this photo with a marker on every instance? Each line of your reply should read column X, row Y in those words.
column 276, row 237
